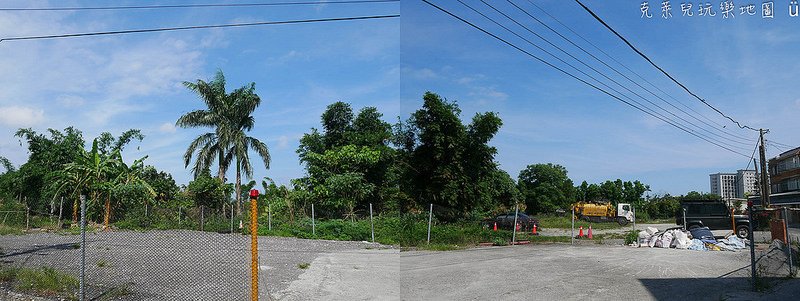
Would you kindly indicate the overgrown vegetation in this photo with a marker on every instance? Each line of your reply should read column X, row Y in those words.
column 41, row 281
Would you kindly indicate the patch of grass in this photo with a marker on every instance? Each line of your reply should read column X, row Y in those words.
column 75, row 246
column 303, row 265
column 116, row 293
column 102, row 263
column 44, row 281
column 499, row 242
column 9, row 230
column 441, row 247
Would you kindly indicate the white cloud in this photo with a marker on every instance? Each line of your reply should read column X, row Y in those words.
column 71, row 101
column 283, row 142
column 18, row 116
column 167, row 128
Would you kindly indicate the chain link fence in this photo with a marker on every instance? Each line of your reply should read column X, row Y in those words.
column 171, row 253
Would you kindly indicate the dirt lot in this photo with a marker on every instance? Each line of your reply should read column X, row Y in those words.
column 170, row 265
column 562, row 272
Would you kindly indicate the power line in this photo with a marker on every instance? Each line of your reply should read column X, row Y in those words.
column 570, row 74
column 659, row 68
column 194, row 5
column 660, row 116
column 747, row 141
column 597, row 71
column 100, row 33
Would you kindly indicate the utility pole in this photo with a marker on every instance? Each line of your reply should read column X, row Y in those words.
column 764, row 170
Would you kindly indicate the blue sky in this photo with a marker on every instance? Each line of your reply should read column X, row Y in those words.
column 114, row 83
column 745, row 66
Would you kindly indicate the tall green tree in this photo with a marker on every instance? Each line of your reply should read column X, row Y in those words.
column 348, row 164
column 546, row 187
column 446, row 162
column 209, row 146
column 230, row 116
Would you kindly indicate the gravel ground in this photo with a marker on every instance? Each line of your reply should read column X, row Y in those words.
column 171, row 265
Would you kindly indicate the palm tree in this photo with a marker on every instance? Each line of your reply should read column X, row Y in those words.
column 231, row 117
column 208, row 146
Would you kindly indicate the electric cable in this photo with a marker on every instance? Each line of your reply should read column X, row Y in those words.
column 569, row 74
column 660, row 69
column 99, row 33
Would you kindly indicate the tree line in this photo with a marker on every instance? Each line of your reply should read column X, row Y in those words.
column 352, row 160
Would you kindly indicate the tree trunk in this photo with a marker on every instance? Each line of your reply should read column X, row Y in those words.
column 238, row 188
column 221, row 171
column 75, row 212
column 108, row 213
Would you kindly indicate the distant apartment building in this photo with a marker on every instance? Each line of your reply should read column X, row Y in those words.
column 746, row 183
column 724, row 185
column 734, row 185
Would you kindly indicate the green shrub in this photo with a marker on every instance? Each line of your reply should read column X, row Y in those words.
column 631, row 237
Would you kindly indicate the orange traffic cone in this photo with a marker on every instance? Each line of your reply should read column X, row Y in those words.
column 590, row 231
column 580, row 234
column 533, row 232
column 495, row 226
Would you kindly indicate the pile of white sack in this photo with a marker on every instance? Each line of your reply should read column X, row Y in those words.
column 681, row 239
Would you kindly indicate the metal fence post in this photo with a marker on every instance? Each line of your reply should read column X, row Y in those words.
column 514, row 235
column 82, row 292
column 27, row 218
column 371, row 223
column 634, row 217
column 430, row 218
column 60, row 209
column 231, row 219
column 684, row 220
column 572, row 230
column 179, row 215
column 313, row 224
column 253, row 245
column 788, row 238
column 202, row 218
column 751, row 236
column 269, row 215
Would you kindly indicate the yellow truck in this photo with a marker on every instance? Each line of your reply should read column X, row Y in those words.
column 603, row 212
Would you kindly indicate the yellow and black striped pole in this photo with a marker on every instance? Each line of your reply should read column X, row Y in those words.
column 254, row 244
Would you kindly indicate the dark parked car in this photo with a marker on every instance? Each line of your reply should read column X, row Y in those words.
column 506, row 222
column 712, row 214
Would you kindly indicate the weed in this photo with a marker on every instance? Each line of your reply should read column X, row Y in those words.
column 499, row 242
column 75, row 246
column 303, row 265
column 441, row 247
column 46, row 281
column 116, row 293
column 631, row 236
column 9, row 230
column 102, row 263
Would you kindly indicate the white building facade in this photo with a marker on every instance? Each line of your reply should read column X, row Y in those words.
column 734, row 185
column 723, row 185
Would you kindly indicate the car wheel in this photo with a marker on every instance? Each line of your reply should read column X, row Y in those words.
column 622, row 221
column 742, row 231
